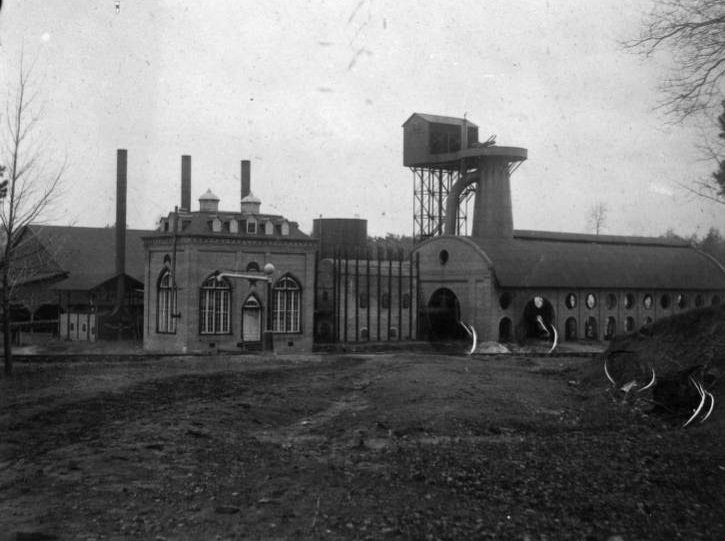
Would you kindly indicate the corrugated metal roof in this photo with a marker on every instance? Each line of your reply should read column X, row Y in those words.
column 88, row 254
column 545, row 260
column 441, row 119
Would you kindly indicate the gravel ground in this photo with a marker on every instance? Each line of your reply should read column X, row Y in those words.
column 401, row 446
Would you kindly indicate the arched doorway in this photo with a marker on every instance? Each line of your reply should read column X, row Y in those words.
column 570, row 329
column 537, row 320
column 251, row 320
column 443, row 314
column 504, row 330
column 591, row 329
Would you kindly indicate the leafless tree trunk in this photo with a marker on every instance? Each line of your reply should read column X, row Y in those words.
column 597, row 219
column 30, row 185
column 693, row 31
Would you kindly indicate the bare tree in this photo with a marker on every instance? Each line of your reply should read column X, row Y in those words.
column 29, row 187
column 693, row 31
column 597, row 218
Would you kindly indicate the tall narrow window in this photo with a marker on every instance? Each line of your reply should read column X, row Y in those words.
column 166, row 303
column 214, row 306
column 287, row 297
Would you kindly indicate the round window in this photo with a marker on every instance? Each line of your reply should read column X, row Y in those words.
column 681, row 301
column 591, row 300
column 629, row 301
column 611, row 301
column 505, row 300
column 699, row 301
column 570, row 301
column 443, row 257
column 647, row 302
column 665, row 301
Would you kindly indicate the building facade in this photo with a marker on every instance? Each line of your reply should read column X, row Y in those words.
column 228, row 280
column 513, row 285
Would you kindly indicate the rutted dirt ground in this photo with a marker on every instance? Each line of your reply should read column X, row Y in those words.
column 414, row 446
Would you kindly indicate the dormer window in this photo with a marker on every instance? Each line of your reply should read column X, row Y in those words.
column 251, row 226
column 268, row 228
column 233, row 226
column 285, row 229
column 216, row 225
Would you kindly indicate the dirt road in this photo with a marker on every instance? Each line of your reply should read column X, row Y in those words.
column 414, row 446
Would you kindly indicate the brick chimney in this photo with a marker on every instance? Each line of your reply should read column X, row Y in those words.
column 186, row 182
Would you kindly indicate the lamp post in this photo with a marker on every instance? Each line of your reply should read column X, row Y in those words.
column 267, row 276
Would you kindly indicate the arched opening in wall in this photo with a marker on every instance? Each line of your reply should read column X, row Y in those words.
column 570, row 329
column 629, row 324
column 591, row 332
column 537, row 320
column 610, row 329
column 505, row 330
column 251, row 320
column 442, row 316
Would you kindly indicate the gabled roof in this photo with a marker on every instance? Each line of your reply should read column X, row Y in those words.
column 547, row 260
column 88, row 254
column 438, row 119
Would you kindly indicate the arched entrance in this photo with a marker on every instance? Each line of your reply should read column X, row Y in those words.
column 504, row 330
column 537, row 320
column 251, row 320
column 443, row 314
column 570, row 329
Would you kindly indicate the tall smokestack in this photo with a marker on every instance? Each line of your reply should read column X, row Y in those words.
column 186, row 182
column 246, row 170
column 121, row 158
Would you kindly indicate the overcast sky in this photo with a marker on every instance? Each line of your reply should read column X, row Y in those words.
column 315, row 92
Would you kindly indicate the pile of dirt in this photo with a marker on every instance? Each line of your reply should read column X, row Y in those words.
column 673, row 344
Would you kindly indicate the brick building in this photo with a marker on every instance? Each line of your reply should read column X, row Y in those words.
column 517, row 285
column 224, row 280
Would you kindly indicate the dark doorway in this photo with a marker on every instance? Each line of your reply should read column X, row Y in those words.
column 537, row 321
column 505, row 328
column 570, row 332
column 443, row 314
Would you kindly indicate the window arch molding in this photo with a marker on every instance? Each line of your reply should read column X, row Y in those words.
column 215, row 305
column 166, row 291
column 286, row 305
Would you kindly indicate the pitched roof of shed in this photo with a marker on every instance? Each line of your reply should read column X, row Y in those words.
column 88, row 254
column 543, row 259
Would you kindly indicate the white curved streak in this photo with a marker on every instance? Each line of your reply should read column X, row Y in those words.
column 465, row 327
column 712, row 405
column 652, row 382
column 702, row 402
column 475, row 340
column 556, row 339
column 606, row 373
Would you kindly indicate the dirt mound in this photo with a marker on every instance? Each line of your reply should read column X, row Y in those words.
column 673, row 344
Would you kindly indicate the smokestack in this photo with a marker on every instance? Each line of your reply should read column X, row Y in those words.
column 186, row 182
column 246, row 170
column 121, row 158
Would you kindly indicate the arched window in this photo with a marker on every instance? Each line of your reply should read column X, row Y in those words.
column 165, row 303
column 611, row 328
column 214, row 306
column 287, row 297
